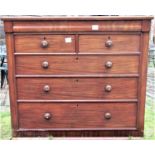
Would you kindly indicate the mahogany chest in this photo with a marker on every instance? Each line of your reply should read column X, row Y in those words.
column 77, row 76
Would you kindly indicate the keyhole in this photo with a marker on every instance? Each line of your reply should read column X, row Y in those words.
column 77, row 58
column 77, row 105
column 108, row 37
column 77, row 80
column 44, row 38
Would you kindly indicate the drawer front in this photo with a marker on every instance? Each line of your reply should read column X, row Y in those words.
column 109, row 43
column 76, row 88
column 76, row 65
column 69, row 26
column 44, row 43
column 77, row 115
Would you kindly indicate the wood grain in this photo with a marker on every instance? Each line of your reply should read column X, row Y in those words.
column 76, row 26
column 76, row 88
column 12, row 82
column 81, row 101
column 121, row 43
column 80, row 76
column 32, row 43
column 76, row 75
column 74, row 65
column 82, row 115
column 142, row 79
column 86, row 133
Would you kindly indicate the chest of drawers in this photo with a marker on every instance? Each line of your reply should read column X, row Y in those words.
column 77, row 76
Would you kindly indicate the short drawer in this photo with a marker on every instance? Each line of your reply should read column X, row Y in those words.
column 109, row 43
column 44, row 43
column 82, row 65
column 76, row 88
column 82, row 116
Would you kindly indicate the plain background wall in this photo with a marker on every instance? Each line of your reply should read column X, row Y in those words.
column 77, row 7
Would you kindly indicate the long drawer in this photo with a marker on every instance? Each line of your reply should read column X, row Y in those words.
column 83, row 64
column 74, row 115
column 76, row 88
column 81, row 26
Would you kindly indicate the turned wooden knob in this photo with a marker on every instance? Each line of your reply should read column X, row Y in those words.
column 47, row 116
column 44, row 43
column 108, row 43
column 45, row 64
column 108, row 64
column 107, row 115
column 46, row 88
column 108, row 88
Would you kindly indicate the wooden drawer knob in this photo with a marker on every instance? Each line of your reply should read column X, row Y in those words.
column 108, row 64
column 107, row 115
column 46, row 88
column 108, row 43
column 45, row 64
column 47, row 116
column 44, row 43
column 108, row 88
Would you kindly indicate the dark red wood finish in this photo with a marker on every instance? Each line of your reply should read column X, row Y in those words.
column 56, row 43
column 85, row 116
column 77, row 76
column 76, row 88
column 74, row 65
